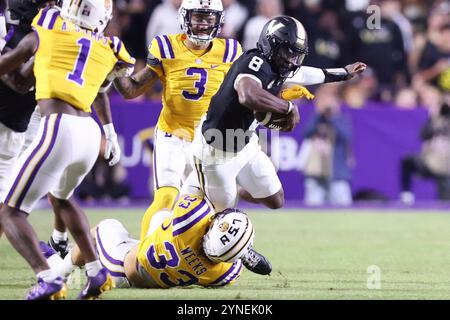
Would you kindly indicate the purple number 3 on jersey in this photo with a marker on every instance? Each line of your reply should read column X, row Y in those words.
column 199, row 84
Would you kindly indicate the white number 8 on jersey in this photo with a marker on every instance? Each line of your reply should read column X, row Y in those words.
column 255, row 64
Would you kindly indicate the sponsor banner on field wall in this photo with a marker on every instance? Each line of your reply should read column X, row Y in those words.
column 382, row 135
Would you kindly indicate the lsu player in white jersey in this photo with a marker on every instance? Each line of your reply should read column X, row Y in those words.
column 191, row 245
column 191, row 67
column 72, row 61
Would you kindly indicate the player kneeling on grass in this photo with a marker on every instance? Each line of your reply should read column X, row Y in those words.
column 191, row 245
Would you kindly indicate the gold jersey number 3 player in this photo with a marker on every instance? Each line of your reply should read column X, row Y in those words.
column 191, row 67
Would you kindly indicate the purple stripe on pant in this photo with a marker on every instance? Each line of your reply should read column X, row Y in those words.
column 27, row 162
column 41, row 161
column 233, row 277
column 226, row 274
column 105, row 254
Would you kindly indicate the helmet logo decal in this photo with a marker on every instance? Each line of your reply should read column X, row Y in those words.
column 205, row 4
column 224, row 226
column 274, row 26
column 229, row 236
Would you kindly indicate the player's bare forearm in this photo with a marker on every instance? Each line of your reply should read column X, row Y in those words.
column 26, row 75
column 257, row 99
column 137, row 84
column 13, row 59
column 267, row 102
column 102, row 108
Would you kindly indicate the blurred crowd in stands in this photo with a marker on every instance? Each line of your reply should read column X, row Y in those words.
column 406, row 43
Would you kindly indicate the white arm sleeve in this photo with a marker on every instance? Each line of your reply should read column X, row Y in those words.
column 307, row 76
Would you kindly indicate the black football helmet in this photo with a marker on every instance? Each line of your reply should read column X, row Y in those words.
column 22, row 12
column 284, row 43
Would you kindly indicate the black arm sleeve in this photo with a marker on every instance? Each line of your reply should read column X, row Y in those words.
column 334, row 75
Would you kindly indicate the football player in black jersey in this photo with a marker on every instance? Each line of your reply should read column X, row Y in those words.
column 17, row 102
column 225, row 148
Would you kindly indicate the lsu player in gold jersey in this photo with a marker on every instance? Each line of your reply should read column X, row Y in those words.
column 72, row 61
column 191, row 67
column 191, row 245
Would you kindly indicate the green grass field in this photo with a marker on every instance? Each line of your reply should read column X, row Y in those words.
column 315, row 255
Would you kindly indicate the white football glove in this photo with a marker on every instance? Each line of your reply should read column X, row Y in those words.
column 112, row 145
column 3, row 32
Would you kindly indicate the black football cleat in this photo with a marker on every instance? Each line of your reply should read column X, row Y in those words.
column 61, row 247
column 256, row 262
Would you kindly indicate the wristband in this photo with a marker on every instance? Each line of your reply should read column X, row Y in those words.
column 109, row 130
column 334, row 75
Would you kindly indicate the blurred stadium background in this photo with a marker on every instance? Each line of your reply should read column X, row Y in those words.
column 382, row 138
column 368, row 167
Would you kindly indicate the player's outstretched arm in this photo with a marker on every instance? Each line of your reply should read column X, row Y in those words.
column 102, row 108
column 308, row 76
column 343, row 74
column 134, row 86
column 13, row 59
